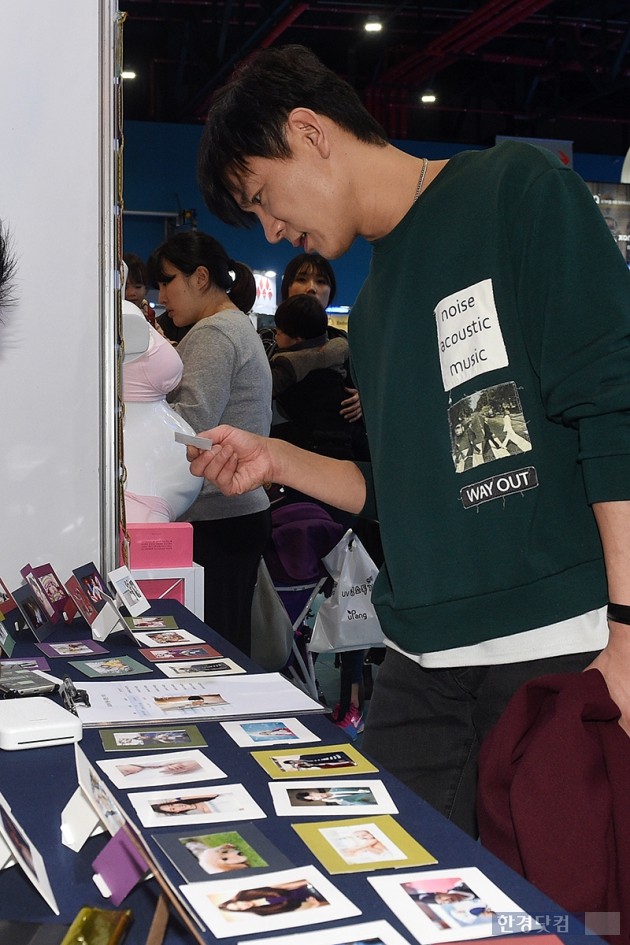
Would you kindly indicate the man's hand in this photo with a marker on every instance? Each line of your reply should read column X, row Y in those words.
column 613, row 521
column 351, row 409
column 237, row 463
column 613, row 664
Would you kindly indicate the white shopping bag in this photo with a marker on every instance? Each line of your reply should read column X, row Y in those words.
column 347, row 620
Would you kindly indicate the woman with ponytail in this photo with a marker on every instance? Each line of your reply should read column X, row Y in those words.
column 226, row 379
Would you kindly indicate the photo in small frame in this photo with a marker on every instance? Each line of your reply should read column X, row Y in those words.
column 128, row 591
column 38, row 591
column 7, row 643
column 182, row 736
column 92, row 584
column 363, row 843
column 7, row 604
column 83, row 603
column 235, row 848
column 34, row 615
column 301, row 896
column 331, row 760
column 56, row 593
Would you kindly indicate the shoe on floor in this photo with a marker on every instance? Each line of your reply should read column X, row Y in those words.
column 351, row 723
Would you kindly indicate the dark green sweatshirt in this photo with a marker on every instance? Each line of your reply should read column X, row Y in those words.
column 500, row 302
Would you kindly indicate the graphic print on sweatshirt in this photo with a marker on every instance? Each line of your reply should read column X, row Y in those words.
column 486, row 426
column 470, row 341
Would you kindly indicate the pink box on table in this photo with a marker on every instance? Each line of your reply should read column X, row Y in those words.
column 168, row 545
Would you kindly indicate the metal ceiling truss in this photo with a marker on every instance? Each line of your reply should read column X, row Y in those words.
column 527, row 65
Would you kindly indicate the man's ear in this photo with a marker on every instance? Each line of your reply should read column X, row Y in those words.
column 306, row 126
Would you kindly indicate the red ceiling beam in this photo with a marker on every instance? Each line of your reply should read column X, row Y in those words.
column 486, row 23
column 284, row 24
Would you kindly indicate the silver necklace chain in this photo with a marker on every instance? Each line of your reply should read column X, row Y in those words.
column 423, row 174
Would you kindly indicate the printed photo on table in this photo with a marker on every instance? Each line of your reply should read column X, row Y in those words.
column 187, row 736
column 71, row 648
column 446, row 905
column 179, row 652
column 200, row 805
column 269, row 731
column 167, row 768
column 147, row 622
column 112, row 666
column 233, row 849
column 183, row 702
column 212, row 667
column 360, row 844
column 286, row 899
column 334, row 760
column 156, row 638
column 333, row 798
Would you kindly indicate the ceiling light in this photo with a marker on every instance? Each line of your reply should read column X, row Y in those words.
column 127, row 74
column 428, row 97
column 372, row 24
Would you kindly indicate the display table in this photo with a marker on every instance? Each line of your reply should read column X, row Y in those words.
column 38, row 783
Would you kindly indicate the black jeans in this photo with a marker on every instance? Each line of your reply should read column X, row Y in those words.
column 426, row 725
column 229, row 550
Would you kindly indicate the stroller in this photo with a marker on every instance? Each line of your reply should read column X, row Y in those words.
column 290, row 576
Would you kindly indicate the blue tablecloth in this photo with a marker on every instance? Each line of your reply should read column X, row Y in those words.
column 38, row 783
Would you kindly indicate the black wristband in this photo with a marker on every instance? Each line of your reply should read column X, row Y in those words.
column 620, row 613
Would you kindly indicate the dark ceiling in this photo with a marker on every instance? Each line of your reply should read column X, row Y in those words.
column 534, row 68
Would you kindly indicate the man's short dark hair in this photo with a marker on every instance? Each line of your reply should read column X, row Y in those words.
column 248, row 118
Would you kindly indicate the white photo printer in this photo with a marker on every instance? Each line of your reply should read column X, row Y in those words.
column 36, row 722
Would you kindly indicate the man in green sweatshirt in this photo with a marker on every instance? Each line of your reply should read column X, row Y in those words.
column 494, row 286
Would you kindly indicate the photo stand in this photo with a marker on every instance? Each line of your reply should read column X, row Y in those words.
column 79, row 821
column 6, row 856
column 119, row 867
column 128, row 592
column 24, row 854
column 108, row 620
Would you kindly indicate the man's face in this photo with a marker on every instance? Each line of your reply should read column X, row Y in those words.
column 299, row 199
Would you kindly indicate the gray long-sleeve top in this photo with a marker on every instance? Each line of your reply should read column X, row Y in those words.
column 226, row 379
